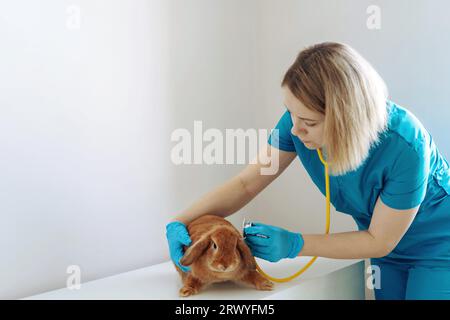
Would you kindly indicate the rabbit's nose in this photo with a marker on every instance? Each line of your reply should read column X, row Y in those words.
column 222, row 267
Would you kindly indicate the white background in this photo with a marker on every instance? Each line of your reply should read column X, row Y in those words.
column 86, row 116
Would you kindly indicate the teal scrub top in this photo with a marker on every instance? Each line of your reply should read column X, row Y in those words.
column 405, row 169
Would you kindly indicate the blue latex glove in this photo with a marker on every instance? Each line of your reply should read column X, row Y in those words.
column 272, row 243
column 177, row 236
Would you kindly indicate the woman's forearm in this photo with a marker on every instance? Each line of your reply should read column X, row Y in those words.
column 222, row 201
column 344, row 245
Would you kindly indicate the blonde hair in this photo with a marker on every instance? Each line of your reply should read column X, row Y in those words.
column 335, row 80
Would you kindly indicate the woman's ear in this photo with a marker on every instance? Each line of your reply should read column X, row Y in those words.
column 195, row 251
column 246, row 254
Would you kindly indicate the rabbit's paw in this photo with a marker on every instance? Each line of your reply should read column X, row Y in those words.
column 188, row 291
column 257, row 281
column 264, row 284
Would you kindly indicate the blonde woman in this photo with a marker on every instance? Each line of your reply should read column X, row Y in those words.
column 385, row 171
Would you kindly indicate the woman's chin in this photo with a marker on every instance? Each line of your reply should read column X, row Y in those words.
column 310, row 145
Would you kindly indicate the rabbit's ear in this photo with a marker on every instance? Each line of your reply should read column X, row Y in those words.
column 195, row 251
column 247, row 257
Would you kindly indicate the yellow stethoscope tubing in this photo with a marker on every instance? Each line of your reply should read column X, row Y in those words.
column 327, row 229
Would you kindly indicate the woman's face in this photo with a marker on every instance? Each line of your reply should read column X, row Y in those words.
column 307, row 124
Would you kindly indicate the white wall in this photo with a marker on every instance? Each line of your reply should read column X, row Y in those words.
column 83, row 161
column 86, row 116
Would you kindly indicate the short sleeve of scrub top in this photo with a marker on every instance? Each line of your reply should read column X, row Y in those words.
column 280, row 137
column 406, row 183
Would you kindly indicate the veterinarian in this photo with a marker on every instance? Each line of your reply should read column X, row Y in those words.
column 385, row 171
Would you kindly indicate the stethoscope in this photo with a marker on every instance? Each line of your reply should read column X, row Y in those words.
column 246, row 224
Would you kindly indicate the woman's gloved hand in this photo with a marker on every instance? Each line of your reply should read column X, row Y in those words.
column 177, row 236
column 272, row 243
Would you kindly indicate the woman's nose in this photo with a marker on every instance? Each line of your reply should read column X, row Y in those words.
column 298, row 131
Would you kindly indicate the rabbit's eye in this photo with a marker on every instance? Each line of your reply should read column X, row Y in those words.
column 214, row 245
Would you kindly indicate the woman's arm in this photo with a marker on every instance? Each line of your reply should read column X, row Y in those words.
column 241, row 189
column 386, row 229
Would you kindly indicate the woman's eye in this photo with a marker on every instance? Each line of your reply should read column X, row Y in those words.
column 311, row 125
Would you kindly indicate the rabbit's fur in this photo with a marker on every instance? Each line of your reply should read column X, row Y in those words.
column 217, row 253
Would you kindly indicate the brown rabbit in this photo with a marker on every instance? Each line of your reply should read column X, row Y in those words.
column 217, row 253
